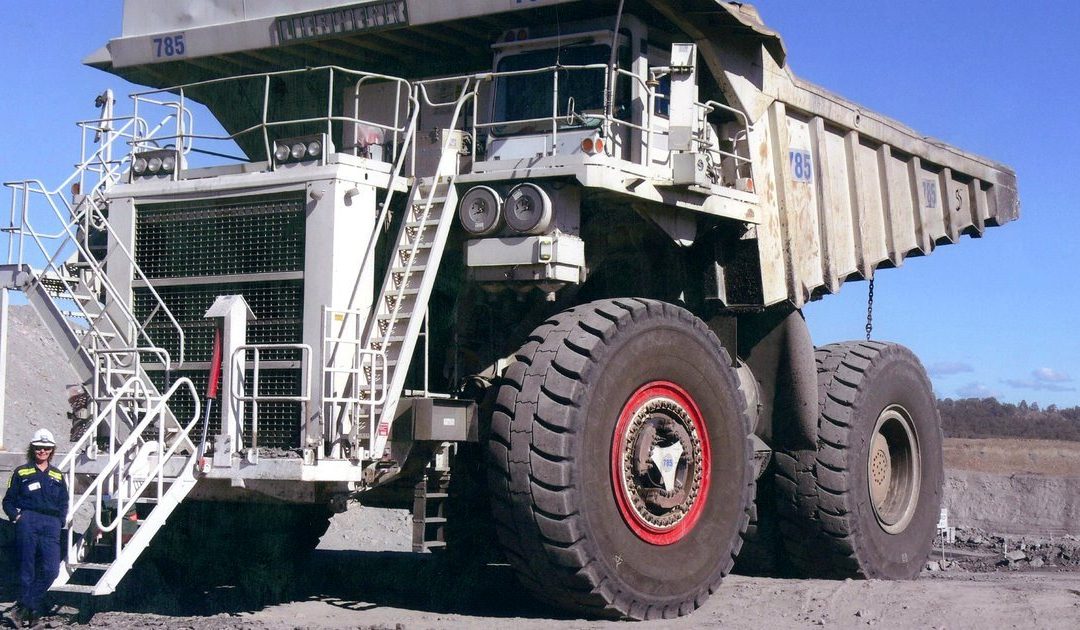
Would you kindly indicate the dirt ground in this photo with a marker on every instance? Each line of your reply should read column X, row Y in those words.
column 1015, row 563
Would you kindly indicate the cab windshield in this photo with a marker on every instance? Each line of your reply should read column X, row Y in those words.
column 525, row 101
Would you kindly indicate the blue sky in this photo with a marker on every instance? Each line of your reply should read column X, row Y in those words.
column 996, row 316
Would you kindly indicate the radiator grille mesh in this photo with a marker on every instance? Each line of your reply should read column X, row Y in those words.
column 244, row 235
column 279, row 422
column 236, row 236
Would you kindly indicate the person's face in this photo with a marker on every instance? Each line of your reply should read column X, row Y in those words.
column 42, row 454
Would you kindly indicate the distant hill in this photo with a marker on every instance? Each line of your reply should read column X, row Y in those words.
column 986, row 417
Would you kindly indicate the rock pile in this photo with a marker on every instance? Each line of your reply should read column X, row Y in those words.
column 978, row 551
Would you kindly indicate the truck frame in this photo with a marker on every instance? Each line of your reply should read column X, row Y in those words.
column 547, row 287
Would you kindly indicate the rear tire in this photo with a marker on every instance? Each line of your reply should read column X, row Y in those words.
column 866, row 503
column 620, row 463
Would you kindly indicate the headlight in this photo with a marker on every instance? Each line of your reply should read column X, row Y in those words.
column 528, row 209
column 480, row 211
column 155, row 163
column 308, row 148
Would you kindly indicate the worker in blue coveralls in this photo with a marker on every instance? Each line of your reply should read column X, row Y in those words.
column 37, row 502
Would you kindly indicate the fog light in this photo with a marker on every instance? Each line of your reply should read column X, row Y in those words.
column 528, row 209
column 140, row 166
column 281, row 152
column 480, row 211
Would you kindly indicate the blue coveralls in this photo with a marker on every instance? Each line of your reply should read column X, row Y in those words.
column 40, row 500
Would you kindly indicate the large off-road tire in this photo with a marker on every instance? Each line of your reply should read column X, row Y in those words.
column 596, row 507
column 866, row 503
column 762, row 552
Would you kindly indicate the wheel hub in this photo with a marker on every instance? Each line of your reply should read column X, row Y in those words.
column 659, row 461
column 893, row 469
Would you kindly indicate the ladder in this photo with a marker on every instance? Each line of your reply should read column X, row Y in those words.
column 143, row 479
column 398, row 314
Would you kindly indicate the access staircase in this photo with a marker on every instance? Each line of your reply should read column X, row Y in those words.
column 398, row 315
column 140, row 455
column 141, row 482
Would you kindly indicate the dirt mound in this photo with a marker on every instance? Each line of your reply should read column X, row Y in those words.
column 1012, row 456
column 38, row 376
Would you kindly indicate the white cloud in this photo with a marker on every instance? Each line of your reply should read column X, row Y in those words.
column 976, row 390
column 1050, row 375
column 1020, row 383
column 948, row 368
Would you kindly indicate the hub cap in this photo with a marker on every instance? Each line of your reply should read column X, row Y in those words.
column 659, row 463
column 894, row 469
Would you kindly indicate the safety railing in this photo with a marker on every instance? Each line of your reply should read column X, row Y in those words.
column 607, row 118
column 120, row 479
column 111, row 363
column 70, row 241
column 347, row 365
column 239, row 360
column 259, row 90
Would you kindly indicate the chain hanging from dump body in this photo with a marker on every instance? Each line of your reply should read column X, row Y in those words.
column 870, row 310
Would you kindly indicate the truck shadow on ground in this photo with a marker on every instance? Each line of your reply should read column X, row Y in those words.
column 354, row 580
column 429, row 582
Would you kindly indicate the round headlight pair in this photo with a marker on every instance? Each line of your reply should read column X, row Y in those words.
column 527, row 210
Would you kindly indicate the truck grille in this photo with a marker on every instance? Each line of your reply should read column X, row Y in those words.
column 279, row 422
column 244, row 235
column 253, row 241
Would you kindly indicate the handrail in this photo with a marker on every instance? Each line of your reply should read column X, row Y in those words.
column 255, row 398
column 132, row 385
column 264, row 124
column 70, row 234
column 116, row 460
column 155, row 475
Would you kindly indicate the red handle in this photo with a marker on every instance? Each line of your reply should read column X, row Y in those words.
column 215, row 366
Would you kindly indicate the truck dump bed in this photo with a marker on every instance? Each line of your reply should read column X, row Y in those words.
column 842, row 190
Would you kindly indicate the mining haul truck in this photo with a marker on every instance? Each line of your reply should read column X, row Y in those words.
column 531, row 269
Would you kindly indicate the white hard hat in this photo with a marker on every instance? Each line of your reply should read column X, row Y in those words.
column 43, row 437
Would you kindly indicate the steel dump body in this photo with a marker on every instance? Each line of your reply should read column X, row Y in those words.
column 873, row 192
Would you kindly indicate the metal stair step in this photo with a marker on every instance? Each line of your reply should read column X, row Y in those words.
column 73, row 588
column 431, row 520
column 436, row 495
column 90, row 566
column 434, row 544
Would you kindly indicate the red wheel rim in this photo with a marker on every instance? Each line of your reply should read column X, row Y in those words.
column 656, row 399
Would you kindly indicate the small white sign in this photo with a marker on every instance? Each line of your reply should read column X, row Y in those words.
column 943, row 522
column 448, row 422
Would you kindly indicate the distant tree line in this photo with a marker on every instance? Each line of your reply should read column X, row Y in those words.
column 986, row 417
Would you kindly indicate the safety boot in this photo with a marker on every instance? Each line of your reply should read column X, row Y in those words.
column 18, row 615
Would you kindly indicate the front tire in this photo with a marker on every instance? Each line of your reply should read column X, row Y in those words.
column 866, row 503
column 620, row 461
